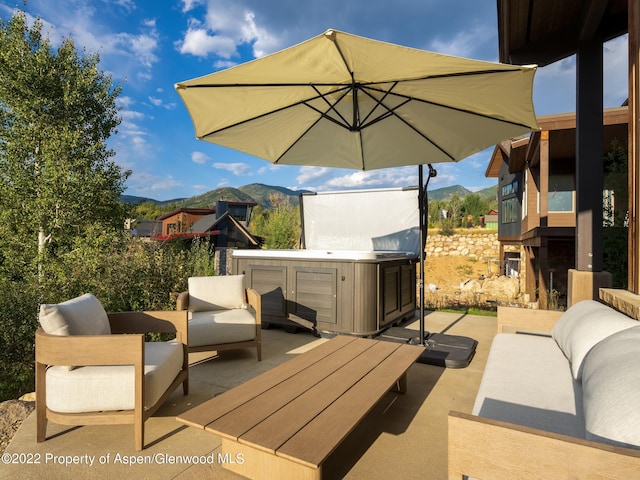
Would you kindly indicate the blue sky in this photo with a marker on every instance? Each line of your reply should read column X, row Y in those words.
column 149, row 45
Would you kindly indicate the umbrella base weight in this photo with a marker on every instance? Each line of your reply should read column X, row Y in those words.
column 450, row 351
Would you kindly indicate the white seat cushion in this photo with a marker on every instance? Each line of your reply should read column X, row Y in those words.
column 221, row 292
column 109, row 388
column 582, row 326
column 217, row 327
column 611, row 386
column 528, row 381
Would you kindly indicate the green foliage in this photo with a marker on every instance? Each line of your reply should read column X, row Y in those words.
column 18, row 321
column 279, row 227
column 475, row 206
column 447, row 228
column 615, row 257
column 150, row 210
column 126, row 273
column 57, row 112
column 58, row 186
column 615, row 248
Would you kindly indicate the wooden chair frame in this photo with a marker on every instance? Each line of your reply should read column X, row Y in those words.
column 253, row 298
column 114, row 349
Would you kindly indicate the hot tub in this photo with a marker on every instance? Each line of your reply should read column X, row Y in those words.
column 357, row 272
column 354, row 255
column 351, row 292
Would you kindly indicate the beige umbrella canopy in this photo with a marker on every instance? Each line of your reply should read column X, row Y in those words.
column 340, row 100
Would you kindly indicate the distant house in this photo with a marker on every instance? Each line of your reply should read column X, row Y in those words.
column 226, row 224
column 490, row 220
column 537, row 200
column 179, row 221
column 147, row 228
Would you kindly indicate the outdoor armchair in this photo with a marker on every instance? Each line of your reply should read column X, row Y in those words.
column 89, row 372
column 223, row 314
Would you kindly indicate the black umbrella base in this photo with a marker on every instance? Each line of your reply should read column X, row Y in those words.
column 450, row 351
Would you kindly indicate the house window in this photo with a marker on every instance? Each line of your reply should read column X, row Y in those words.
column 510, row 210
column 561, row 193
column 510, row 207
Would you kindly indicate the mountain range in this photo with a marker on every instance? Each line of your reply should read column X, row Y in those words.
column 264, row 195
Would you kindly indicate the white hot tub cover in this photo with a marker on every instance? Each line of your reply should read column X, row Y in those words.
column 362, row 220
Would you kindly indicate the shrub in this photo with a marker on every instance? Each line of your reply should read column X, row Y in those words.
column 124, row 272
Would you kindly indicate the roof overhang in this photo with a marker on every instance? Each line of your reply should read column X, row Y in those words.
column 544, row 31
column 522, row 151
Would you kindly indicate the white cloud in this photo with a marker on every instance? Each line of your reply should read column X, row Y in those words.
column 237, row 169
column 222, row 64
column 308, row 175
column 226, row 25
column 199, row 157
column 124, row 101
column 199, row 42
column 324, row 179
column 264, row 42
column 270, row 167
column 464, row 43
column 155, row 101
column 126, row 4
column 200, row 188
column 143, row 47
column 616, row 72
column 144, row 183
column 191, row 4
column 129, row 115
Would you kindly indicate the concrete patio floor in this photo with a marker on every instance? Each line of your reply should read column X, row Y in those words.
column 404, row 436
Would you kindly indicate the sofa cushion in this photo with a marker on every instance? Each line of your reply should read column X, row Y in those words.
column 582, row 326
column 216, row 327
column 216, row 293
column 611, row 386
column 109, row 388
column 527, row 380
column 82, row 315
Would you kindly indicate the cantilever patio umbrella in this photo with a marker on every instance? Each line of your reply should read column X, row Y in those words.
column 340, row 100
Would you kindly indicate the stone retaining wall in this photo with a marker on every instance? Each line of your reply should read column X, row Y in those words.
column 475, row 244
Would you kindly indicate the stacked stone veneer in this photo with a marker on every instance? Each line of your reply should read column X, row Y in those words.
column 482, row 246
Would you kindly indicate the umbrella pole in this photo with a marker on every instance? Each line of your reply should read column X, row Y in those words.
column 421, row 193
column 423, row 225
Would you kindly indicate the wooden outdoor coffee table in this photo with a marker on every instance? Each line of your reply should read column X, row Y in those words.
column 287, row 421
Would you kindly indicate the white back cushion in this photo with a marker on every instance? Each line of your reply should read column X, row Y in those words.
column 611, row 388
column 82, row 315
column 221, row 292
column 582, row 326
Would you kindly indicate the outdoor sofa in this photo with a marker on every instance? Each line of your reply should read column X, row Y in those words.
column 559, row 398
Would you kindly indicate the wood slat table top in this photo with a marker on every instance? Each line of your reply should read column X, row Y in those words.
column 302, row 409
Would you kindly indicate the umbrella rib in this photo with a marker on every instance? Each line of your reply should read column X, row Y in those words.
column 391, row 112
column 301, row 102
column 331, row 106
column 378, row 102
column 300, row 138
column 448, row 107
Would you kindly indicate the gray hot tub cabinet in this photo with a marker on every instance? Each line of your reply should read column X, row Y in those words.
column 356, row 272
column 335, row 294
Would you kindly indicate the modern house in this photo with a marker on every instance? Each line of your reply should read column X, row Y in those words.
column 226, row 224
column 537, row 200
